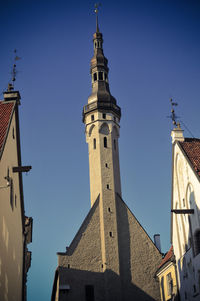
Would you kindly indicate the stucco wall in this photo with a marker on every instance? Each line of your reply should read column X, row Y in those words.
column 11, row 236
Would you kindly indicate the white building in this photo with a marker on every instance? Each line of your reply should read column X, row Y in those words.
column 185, row 219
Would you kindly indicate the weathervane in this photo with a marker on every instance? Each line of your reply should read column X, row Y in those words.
column 173, row 116
column 97, row 5
column 14, row 72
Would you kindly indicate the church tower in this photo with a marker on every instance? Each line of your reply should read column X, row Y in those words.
column 111, row 258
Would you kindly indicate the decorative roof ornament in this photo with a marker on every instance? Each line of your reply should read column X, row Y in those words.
column 173, row 116
column 14, row 72
column 97, row 5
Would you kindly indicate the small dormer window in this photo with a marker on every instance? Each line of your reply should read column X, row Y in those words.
column 100, row 75
column 95, row 77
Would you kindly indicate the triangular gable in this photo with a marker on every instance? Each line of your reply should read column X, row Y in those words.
column 191, row 148
column 6, row 111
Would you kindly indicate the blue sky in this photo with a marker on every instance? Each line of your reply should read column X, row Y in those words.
column 153, row 50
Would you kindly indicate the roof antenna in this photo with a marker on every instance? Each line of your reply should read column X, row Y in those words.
column 97, row 5
column 173, row 116
column 14, row 72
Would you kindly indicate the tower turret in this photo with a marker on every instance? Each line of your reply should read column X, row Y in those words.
column 102, row 116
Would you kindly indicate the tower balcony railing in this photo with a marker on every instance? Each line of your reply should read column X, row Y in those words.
column 102, row 105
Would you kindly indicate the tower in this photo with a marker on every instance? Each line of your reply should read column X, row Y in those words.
column 111, row 257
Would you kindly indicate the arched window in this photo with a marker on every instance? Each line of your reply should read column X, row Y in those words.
column 105, row 141
column 94, row 143
column 197, row 242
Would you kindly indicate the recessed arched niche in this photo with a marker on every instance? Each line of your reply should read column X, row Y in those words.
column 91, row 129
column 104, row 129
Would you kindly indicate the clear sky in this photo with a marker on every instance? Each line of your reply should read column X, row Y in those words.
column 153, row 49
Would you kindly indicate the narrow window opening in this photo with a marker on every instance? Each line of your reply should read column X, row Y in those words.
column 114, row 144
column 104, row 115
column 106, row 165
column 98, row 44
column 13, row 133
column 15, row 200
column 92, row 118
column 108, row 186
column 105, row 76
column 183, row 202
column 109, row 210
column 197, row 242
column 194, row 288
column 100, row 75
column 68, row 266
column 89, row 293
column 102, row 265
column 105, row 142
column 111, row 234
column 94, row 143
column 95, row 77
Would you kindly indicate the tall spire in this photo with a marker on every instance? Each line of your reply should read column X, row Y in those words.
column 96, row 11
column 100, row 96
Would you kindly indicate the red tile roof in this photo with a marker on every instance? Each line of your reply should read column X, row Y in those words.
column 167, row 257
column 5, row 115
column 191, row 147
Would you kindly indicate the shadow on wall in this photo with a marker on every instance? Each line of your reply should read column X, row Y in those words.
column 189, row 264
column 80, row 285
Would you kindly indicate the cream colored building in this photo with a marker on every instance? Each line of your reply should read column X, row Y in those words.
column 185, row 220
column 111, row 257
column 167, row 276
column 15, row 227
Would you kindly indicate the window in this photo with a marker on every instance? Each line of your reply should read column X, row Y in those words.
column 92, row 117
column 13, row 133
column 105, row 142
column 95, row 77
column 104, row 115
column 109, row 210
column 68, row 266
column 111, row 234
column 89, row 293
column 108, row 186
column 106, row 165
column 114, row 144
column 105, row 76
column 197, row 242
column 100, row 75
column 169, row 284
column 94, row 143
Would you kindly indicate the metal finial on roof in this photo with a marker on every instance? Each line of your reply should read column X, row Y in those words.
column 96, row 12
column 173, row 116
column 14, row 72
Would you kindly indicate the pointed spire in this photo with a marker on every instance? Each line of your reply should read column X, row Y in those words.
column 96, row 12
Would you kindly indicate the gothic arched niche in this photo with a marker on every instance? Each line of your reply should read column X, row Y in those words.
column 91, row 129
column 104, row 129
column 115, row 132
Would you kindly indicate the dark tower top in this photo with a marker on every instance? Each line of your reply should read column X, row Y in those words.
column 100, row 97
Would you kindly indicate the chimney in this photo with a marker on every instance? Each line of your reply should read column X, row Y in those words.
column 157, row 241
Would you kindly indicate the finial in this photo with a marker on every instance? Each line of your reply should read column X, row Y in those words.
column 14, row 72
column 173, row 116
column 96, row 12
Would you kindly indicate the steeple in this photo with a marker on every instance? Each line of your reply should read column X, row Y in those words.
column 100, row 96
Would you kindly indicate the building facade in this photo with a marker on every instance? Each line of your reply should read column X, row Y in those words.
column 111, row 257
column 185, row 218
column 167, row 276
column 15, row 227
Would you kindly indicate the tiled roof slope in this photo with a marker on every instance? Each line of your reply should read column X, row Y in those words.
column 167, row 257
column 5, row 115
column 191, row 147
